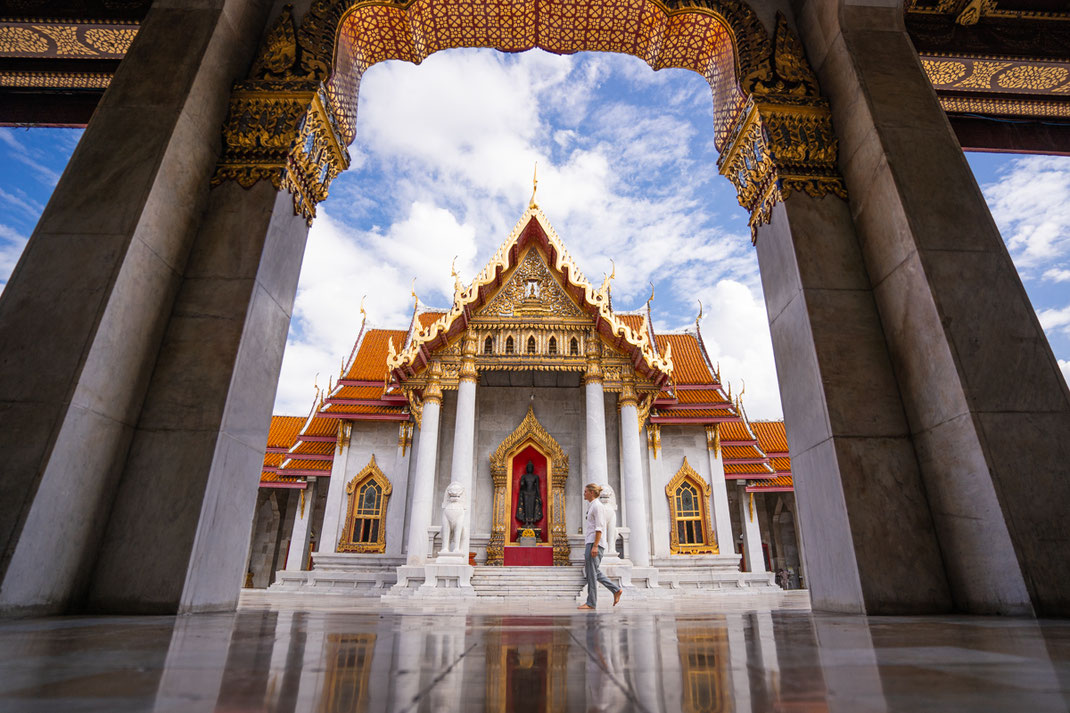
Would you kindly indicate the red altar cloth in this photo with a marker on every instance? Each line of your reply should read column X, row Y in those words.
column 516, row 556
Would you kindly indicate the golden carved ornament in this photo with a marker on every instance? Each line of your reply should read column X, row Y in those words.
column 370, row 472
column 628, row 396
column 280, row 127
column 467, row 371
column 783, row 140
column 709, row 546
column 345, row 431
column 433, row 390
column 530, row 431
column 653, row 439
column 405, row 436
column 713, row 439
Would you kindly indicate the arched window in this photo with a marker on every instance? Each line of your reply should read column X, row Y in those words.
column 488, row 346
column 365, row 528
column 552, row 347
column 509, row 346
column 689, row 512
column 573, row 348
column 531, row 345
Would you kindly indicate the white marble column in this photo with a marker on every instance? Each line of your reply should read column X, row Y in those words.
column 464, row 434
column 722, row 514
column 334, row 511
column 395, row 513
column 597, row 456
column 659, row 504
column 423, row 487
column 753, row 557
column 297, row 557
column 632, row 477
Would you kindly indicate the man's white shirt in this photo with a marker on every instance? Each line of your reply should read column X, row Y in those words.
column 595, row 522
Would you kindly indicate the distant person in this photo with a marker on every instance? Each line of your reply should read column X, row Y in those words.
column 594, row 527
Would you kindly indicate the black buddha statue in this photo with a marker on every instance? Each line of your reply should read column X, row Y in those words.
column 529, row 499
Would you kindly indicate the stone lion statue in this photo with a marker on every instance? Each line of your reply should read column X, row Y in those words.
column 454, row 518
column 609, row 500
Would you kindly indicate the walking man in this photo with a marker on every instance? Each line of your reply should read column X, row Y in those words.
column 594, row 528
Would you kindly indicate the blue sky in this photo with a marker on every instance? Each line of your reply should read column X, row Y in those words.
column 442, row 167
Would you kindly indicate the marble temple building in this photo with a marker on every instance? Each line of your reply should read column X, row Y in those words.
column 484, row 420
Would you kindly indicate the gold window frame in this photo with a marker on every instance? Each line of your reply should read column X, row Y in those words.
column 689, row 475
column 370, row 473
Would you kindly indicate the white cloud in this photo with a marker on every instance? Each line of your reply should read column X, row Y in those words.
column 12, row 244
column 1054, row 318
column 1031, row 205
column 1057, row 275
column 1064, row 367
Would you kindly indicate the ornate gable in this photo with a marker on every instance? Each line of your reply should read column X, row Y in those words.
column 531, row 292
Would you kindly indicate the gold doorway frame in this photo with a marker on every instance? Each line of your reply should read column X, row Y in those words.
column 530, row 431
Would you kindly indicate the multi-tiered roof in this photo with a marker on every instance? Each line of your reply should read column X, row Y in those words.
column 375, row 383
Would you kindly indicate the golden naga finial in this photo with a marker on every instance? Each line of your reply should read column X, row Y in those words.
column 604, row 289
column 534, row 186
column 391, row 352
column 699, row 317
column 456, row 278
column 651, row 298
column 417, row 304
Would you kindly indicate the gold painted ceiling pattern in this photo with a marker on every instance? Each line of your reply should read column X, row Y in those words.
column 690, row 38
column 65, row 40
column 965, row 74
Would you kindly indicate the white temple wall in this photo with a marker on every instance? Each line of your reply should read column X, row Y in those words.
column 677, row 442
column 378, row 438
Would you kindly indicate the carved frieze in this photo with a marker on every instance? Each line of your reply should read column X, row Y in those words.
column 280, row 128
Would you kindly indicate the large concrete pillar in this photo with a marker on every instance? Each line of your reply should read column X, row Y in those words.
column 597, row 451
column 423, row 486
column 981, row 389
column 722, row 513
column 93, row 294
column 297, row 557
column 632, row 478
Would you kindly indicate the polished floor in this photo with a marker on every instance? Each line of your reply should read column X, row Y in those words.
column 279, row 654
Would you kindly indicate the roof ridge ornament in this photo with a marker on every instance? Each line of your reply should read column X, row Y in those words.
column 534, row 186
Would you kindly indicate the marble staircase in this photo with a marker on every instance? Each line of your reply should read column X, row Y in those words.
column 527, row 582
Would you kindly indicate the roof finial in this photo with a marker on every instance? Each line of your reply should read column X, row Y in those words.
column 414, row 294
column 534, row 186
column 651, row 298
column 699, row 317
column 455, row 276
column 363, row 313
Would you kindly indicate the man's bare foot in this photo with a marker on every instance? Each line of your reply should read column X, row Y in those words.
column 585, row 606
column 616, row 597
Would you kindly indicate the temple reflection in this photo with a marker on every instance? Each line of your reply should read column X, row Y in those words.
column 301, row 661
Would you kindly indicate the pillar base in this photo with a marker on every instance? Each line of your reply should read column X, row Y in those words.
column 435, row 580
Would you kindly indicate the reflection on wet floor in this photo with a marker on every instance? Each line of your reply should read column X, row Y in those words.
column 644, row 659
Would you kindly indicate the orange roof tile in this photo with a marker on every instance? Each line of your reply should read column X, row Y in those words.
column 425, row 319
column 782, row 465
column 635, row 321
column 749, row 469
column 284, row 430
column 737, row 452
column 358, row 392
column 319, row 448
column 273, row 459
column 349, row 408
column 324, row 465
column 698, row 413
column 321, row 426
column 370, row 362
column 700, row 396
column 688, row 364
column 734, row 431
column 771, row 436
column 781, row 481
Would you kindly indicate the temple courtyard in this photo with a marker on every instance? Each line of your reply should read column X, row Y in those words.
column 750, row 653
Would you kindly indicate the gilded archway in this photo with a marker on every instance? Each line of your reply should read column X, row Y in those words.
column 291, row 121
column 690, row 530
column 530, row 431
